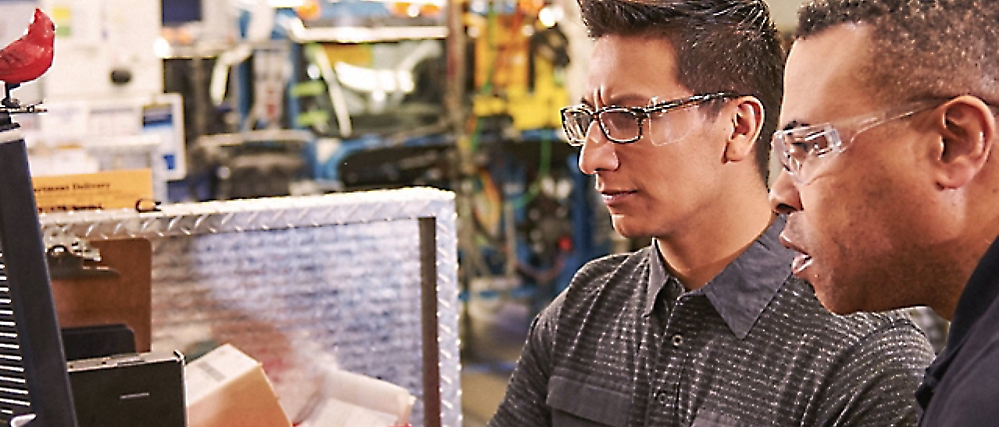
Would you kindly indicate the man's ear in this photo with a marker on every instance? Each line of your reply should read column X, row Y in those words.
column 967, row 129
column 747, row 123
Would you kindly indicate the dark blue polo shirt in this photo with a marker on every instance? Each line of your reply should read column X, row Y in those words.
column 961, row 387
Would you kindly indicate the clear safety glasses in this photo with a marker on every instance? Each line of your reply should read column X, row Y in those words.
column 803, row 150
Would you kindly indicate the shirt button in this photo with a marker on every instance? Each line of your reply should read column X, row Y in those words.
column 677, row 340
column 661, row 397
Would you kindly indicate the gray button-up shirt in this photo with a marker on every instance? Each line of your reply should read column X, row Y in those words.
column 625, row 345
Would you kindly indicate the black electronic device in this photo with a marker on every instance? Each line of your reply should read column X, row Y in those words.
column 129, row 390
column 88, row 342
column 34, row 385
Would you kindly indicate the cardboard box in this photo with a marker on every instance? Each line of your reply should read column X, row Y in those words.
column 227, row 388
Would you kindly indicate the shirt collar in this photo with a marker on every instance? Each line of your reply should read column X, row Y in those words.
column 744, row 288
column 657, row 278
column 978, row 295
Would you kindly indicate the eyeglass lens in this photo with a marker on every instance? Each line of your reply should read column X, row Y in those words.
column 618, row 125
column 798, row 149
column 577, row 122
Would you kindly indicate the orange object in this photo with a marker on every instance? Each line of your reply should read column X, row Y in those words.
column 309, row 11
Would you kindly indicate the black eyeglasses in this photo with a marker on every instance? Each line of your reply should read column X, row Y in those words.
column 623, row 125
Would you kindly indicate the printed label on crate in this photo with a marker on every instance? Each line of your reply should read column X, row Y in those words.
column 102, row 190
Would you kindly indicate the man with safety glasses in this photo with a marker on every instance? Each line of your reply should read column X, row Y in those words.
column 706, row 326
column 891, row 181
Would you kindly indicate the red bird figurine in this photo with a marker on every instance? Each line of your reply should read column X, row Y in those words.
column 28, row 57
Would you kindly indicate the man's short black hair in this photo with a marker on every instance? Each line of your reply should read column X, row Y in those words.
column 721, row 45
column 921, row 48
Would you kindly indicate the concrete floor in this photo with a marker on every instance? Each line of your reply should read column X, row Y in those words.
column 481, row 393
column 492, row 339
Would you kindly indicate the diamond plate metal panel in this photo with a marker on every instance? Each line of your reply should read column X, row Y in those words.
column 304, row 283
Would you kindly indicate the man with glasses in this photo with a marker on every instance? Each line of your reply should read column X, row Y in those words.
column 891, row 181
column 706, row 326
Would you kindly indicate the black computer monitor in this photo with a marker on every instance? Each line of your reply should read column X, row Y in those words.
column 34, row 385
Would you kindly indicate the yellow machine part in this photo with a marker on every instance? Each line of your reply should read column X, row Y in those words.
column 501, row 52
column 503, row 76
column 354, row 54
column 538, row 109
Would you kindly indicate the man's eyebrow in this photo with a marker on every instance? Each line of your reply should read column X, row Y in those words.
column 613, row 101
column 794, row 125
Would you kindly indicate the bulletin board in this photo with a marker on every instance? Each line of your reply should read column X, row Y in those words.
column 366, row 282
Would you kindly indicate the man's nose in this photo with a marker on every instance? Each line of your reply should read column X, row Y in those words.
column 598, row 153
column 784, row 197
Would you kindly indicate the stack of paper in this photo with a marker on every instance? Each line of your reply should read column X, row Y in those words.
column 353, row 400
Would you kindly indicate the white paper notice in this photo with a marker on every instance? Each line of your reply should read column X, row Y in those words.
column 342, row 414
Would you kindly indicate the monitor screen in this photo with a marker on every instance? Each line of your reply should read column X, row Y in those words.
column 177, row 12
column 34, row 385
